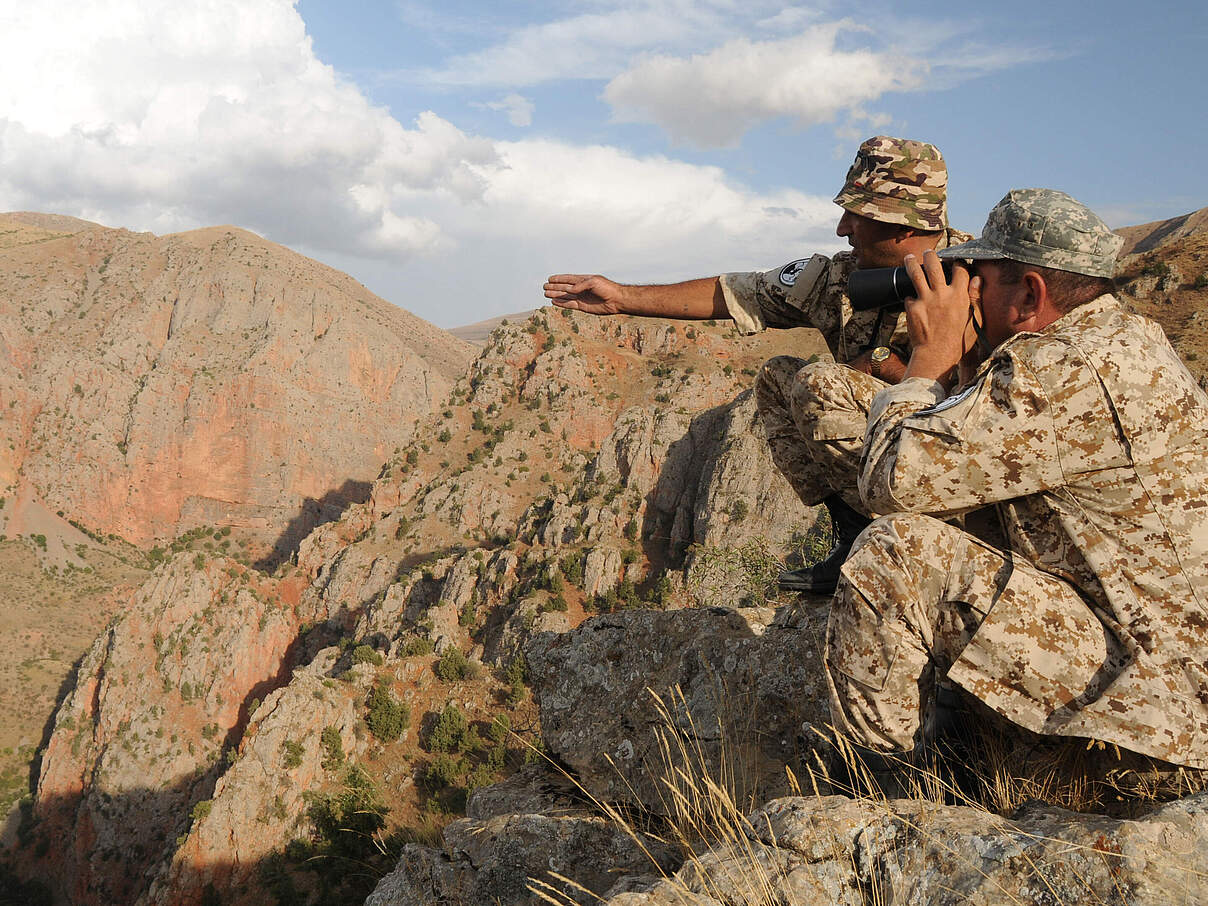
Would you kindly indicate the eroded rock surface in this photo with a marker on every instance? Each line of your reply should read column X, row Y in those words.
column 737, row 685
column 156, row 383
column 854, row 852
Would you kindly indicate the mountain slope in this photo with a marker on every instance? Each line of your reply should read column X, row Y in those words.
column 154, row 384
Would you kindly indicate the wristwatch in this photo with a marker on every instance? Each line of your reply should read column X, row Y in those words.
column 876, row 358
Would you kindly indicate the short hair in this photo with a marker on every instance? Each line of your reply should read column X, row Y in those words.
column 1067, row 289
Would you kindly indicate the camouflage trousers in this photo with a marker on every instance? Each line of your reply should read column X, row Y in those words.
column 922, row 601
column 814, row 414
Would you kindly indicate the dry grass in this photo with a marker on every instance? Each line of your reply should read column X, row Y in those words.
column 727, row 859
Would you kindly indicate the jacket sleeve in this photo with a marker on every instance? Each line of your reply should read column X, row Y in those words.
column 998, row 438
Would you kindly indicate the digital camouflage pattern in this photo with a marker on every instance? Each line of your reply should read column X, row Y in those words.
column 897, row 180
column 812, row 292
column 912, row 599
column 1089, row 439
column 1046, row 228
column 814, row 415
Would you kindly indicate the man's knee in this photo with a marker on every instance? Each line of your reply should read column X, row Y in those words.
column 832, row 398
column 774, row 381
column 886, row 536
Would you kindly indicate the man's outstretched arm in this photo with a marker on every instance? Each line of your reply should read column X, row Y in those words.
column 692, row 300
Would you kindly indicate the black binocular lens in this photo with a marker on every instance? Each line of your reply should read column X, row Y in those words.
column 882, row 287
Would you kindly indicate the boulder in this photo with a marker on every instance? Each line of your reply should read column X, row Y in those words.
column 829, row 849
column 736, row 685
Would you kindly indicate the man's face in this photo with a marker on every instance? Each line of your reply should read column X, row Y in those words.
column 873, row 243
column 1000, row 303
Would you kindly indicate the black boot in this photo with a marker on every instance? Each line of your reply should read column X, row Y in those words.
column 822, row 577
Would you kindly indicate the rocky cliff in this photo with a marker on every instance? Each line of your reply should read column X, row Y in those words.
column 582, row 465
column 152, row 384
column 471, row 678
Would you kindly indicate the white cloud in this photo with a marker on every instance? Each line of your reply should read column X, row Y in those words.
column 144, row 114
column 551, row 207
column 598, row 42
column 156, row 115
column 711, row 99
column 519, row 109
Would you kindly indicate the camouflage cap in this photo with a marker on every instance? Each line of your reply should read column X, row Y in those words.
column 896, row 180
column 1046, row 228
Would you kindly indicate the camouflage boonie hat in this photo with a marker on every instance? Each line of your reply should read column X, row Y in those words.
column 896, row 180
column 1046, row 228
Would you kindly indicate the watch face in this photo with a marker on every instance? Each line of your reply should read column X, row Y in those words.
column 880, row 354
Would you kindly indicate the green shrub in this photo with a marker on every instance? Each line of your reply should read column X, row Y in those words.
column 201, row 809
column 333, row 749
column 660, row 593
column 516, row 677
column 387, row 717
column 417, row 645
column 366, row 654
column 1201, row 281
column 442, row 771
column 293, row 753
column 453, row 666
column 517, row 671
column 572, row 567
column 500, row 727
column 346, row 822
column 449, row 731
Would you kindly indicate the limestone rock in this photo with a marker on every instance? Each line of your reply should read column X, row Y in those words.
column 747, row 680
column 164, row 382
column 835, row 850
column 258, row 801
column 141, row 738
column 497, row 859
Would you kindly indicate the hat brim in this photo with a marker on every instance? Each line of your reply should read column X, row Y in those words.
column 974, row 250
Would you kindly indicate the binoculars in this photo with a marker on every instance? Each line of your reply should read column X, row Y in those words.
column 883, row 287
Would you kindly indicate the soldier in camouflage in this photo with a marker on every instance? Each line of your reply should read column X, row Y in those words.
column 894, row 203
column 1077, row 424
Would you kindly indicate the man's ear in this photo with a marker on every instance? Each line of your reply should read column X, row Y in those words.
column 1035, row 298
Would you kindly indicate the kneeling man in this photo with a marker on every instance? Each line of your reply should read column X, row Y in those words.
column 1076, row 421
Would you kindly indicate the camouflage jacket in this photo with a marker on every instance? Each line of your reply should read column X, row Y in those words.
column 1090, row 439
column 812, row 292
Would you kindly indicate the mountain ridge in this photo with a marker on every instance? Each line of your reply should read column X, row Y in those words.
column 579, row 477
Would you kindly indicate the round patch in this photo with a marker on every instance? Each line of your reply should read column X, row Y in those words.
column 791, row 271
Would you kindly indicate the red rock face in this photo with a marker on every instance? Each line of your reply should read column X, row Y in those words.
column 152, row 384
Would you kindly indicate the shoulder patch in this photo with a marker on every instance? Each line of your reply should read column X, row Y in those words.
column 791, row 271
column 949, row 402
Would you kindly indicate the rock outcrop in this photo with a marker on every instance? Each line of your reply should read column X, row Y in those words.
column 832, row 849
column 152, row 384
column 158, row 704
column 566, row 474
column 619, row 691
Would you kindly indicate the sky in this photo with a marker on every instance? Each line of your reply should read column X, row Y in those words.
column 450, row 155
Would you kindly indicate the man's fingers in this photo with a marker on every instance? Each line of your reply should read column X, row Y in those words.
column 960, row 277
column 934, row 269
column 915, row 271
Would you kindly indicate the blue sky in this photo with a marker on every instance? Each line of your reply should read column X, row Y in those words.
column 450, row 155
